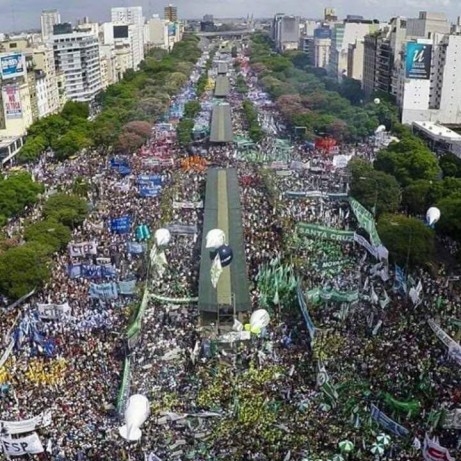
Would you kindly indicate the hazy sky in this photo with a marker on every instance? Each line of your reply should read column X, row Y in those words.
column 24, row 14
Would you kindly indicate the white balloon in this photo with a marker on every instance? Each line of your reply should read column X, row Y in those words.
column 260, row 318
column 162, row 237
column 215, row 238
column 380, row 129
column 432, row 215
column 376, row 100
column 136, row 412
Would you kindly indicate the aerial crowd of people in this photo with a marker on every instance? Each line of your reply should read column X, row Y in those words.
column 257, row 399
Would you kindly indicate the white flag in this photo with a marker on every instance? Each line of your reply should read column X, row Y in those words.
column 216, row 271
column 374, row 296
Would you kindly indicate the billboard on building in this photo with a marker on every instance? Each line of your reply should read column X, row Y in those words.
column 172, row 29
column 12, row 102
column 12, row 65
column 322, row 33
column 121, row 32
column 418, row 61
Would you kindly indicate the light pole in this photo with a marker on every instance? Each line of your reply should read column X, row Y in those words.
column 367, row 178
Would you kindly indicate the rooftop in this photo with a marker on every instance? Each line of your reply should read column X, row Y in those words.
column 439, row 132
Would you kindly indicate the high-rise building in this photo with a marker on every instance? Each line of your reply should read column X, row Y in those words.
column 170, row 13
column 355, row 55
column 77, row 55
column 127, row 15
column 427, row 24
column 286, row 32
column 48, row 19
column 156, row 32
column 322, row 45
column 127, row 28
column 329, row 15
column 347, row 33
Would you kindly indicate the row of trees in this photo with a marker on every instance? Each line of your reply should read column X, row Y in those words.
column 251, row 115
column 142, row 97
column 28, row 266
column 306, row 98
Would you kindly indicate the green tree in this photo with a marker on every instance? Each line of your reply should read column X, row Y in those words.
column 73, row 110
column 450, row 217
column 372, row 187
column 191, row 109
column 408, row 160
column 48, row 232
column 67, row 209
column 71, row 143
column 408, row 240
column 23, row 268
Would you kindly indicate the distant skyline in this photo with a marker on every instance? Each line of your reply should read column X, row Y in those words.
column 25, row 14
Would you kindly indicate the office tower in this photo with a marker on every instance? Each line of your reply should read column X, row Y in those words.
column 127, row 15
column 329, row 15
column 286, row 32
column 48, row 19
column 170, row 13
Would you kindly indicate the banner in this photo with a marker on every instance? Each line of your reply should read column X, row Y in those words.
column 74, row 271
column 149, row 190
column 120, row 225
column 81, row 249
column 12, row 65
column 322, row 294
column 411, row 407
column 452, row 419
column 166, row 299
column 454, row 349
column 22, row 446
column 127, row 287
column 154, row 180
column 26, row 425
column 103, row 290
column 433, row 451
column 53, row 311
column 7, row 353
column 188, row 205
column 366, row 220
column 388, row 423
column 182, row 229
column 362, row 241
column 136, row 248
column 418, row 61
column 307, row 318
column 12, row 102
column 326, row 233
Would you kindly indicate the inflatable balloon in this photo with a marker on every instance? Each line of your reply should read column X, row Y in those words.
column 432, row 215
column 380, row 129
column 162, row 237
column 215, row 238
column 136, row 412
column 226, row 255
column 376, row 100
column 259, row 319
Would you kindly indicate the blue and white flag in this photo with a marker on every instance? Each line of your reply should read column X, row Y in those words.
column 149, row 190
column 136, row 248
column 154, row 180
column 120, row 225
column 91, row 271
column 103, row 290
column 400, row 284
column 74, row 271
column 127, row 287
column 387, row 422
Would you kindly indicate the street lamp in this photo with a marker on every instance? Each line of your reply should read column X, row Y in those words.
column 367, row 178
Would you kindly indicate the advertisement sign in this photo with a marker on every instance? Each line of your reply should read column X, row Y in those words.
column 418, row 61
column 12, row 65
column 12, row 102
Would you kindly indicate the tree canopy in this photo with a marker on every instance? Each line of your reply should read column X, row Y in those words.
column 408, row 240
column 67, row 209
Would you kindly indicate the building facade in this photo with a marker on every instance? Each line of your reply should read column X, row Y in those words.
column 48, row 19
column 286, row 32
column 76, row 54
column 170, row 13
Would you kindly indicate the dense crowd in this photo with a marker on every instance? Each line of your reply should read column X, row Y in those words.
column 210, row 400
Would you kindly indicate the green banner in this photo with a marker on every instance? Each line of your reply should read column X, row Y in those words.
column 412, row 407
column 317, row 295
column 365, row 220
column 173, row 300
column 124, row 386
column 325, row 233
column 135, row 327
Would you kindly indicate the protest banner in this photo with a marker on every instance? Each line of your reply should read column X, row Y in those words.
column 26, row 425
column 22, row 446
column 326, row 233
column 82, row 249
column 53, row 311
